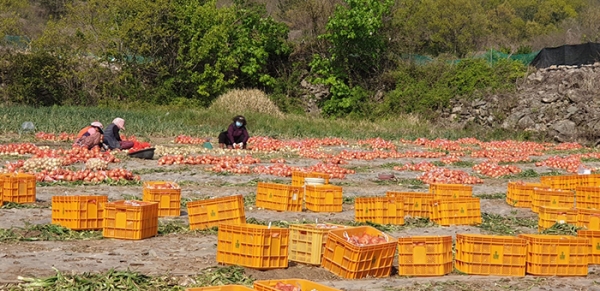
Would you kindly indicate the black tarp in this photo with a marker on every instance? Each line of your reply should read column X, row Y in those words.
column 569, row 55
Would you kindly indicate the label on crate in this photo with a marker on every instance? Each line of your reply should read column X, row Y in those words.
column 594, row 223
column 213, row 212
column 497, row 255
column 418, row 203
column 554, row 200
column 329, row 198
column 419, row 254
column 595, row 245
column 295, row 197
column 237, row 243
column 463, row 209
column 563, row 257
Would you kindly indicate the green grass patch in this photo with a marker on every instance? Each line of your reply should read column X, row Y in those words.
column 46, row 232
column 13, row 205
column 463, row 164
column 348, row 200
column 156, row 170
column 502, row 225
column 145, row 121
column 552, row 173
column 391, row 165
column 250, row 199
column 109, row 182
column 492, row 196
column 529, row 173
column 410, row 183
column 130, row 280
column 131, row 197
column 561, row 229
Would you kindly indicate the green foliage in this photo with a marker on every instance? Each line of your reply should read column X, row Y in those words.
column 32, row 79
column 227, row 47
column 357, row 45
column 422, row 89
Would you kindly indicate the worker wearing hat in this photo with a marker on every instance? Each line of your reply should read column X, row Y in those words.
column 90, row 136
column 112, row 137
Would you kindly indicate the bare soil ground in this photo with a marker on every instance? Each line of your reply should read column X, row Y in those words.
column 186, row 254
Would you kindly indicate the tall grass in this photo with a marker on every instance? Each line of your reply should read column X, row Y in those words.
column 153, row 121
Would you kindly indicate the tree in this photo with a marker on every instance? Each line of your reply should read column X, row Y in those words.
column 357, row 44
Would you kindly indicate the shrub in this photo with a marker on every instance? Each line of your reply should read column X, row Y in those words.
column 246, row 101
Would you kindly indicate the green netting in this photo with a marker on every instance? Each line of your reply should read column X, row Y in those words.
column 16, row 41
column 492, row 56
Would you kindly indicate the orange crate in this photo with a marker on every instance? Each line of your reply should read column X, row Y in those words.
column 550, row 216
column 381, row 210
column 594, row 237
column 424, row 255
column 269, row 285
column 78, row 212
column 126, row 219
column 166, row 194
column 209, row 213
column 416, row 204
column 18, row 188
column 587, row 197
column 555, row 255
column 442, row 191
column 307, row 242
column 254, row 246
column 279, row 197
column 221, row 288
column 456, row 211
column 520, row 194
column 353, row 262
column 588, row 219
column 478, row 254
column 323, row 198
column 565, row 182
column 298, row 177
column 552, row 198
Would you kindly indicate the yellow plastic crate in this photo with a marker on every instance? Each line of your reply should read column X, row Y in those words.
column 424, row 255
column 381, row 210
column 166, row 194
column 456, row 211
column 221, row 288
column 520, row 194
column 555, row 255
column 323, row 198
column 550, row 216
column 588, row 219
column 78, row 212
column 298, row 177
column 564, row 182
column 253, row 246
column 18, row 188
column 416, row 204
column 351, row 261
column 594, row 237
column 478, row 254
column 279, row 197
column 587, row 197
column 552, row 198
column 443, row 191
column 209, row 213
column 134, row 220
column 269, row 285
column 307, row 242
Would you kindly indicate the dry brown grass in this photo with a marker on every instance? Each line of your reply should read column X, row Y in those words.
column 246, row 101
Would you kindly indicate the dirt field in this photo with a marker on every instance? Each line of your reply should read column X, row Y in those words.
column 185, row 254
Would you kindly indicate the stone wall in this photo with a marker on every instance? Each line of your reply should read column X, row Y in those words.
column 560, row 102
